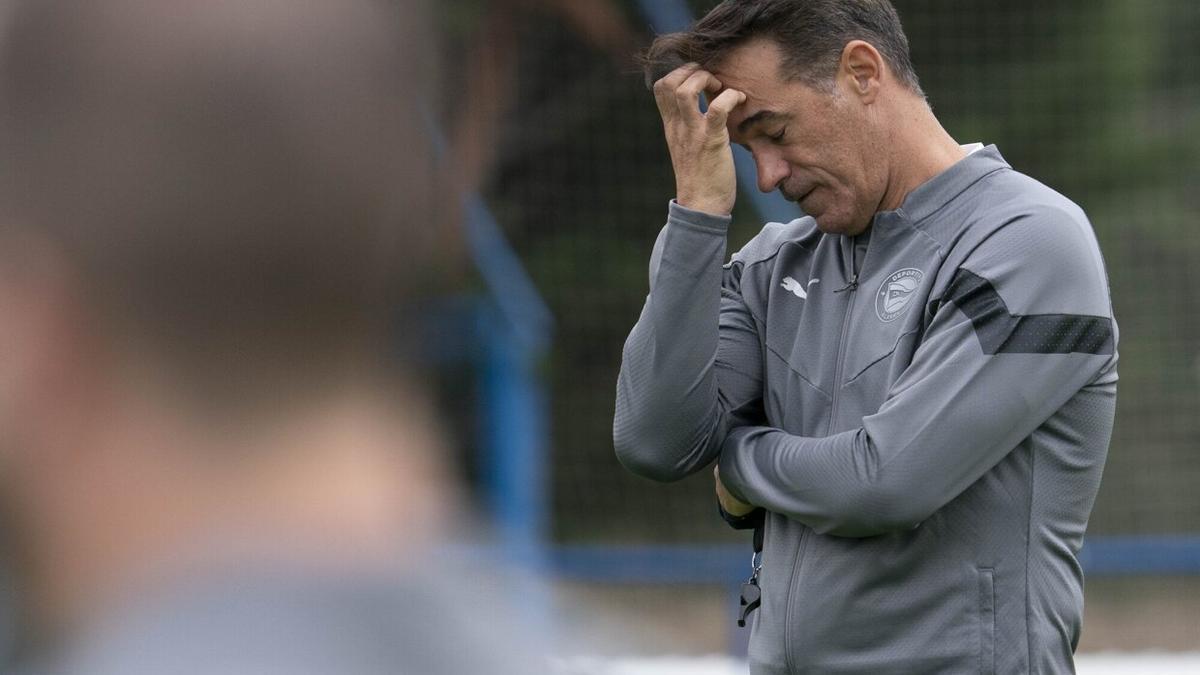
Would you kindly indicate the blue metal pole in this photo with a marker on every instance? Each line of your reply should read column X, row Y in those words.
column 513, row 329
column 521, row 307
column 514, row 436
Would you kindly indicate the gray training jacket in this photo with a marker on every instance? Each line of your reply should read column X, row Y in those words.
column 923, row 411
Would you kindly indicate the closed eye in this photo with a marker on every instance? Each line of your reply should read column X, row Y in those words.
column 777, row 137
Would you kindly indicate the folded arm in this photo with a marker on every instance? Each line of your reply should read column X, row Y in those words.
column 1009, row 344
column 692, row 365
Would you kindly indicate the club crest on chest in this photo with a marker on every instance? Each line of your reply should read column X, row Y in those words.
column 896, row 292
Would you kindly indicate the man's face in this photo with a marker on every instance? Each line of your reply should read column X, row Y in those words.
column 813, row 146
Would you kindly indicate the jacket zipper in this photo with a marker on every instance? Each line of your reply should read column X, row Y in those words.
column 852, row 287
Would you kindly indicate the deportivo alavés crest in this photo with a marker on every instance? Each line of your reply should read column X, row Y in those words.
column 896, row 293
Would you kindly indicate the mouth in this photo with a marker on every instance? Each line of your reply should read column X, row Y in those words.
column 794, row 197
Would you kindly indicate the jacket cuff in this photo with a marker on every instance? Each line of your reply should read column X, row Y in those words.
column 747, row 522
column 699, row 219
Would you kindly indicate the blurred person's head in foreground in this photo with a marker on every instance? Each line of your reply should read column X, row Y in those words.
column 207, row 212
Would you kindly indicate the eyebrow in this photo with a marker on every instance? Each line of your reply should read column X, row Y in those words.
column 760, row 116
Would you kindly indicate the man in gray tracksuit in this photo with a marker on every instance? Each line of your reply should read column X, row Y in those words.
column 919, row 400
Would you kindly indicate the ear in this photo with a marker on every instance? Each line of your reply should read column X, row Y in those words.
column 861, row 69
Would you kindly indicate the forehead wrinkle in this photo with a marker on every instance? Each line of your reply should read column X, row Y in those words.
column 765, row 112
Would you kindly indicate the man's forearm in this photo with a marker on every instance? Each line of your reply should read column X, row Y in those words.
column 668, row 408
column 826, row 483
column 956, row 412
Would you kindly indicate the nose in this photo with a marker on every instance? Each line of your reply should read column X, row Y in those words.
column 772, row 169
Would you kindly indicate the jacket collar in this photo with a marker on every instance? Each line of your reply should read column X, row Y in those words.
column 940, row 190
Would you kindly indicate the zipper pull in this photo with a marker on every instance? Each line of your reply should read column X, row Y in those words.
column 853, row 285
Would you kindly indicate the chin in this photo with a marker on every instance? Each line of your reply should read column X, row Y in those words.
column 830, row 224
column 839, row 223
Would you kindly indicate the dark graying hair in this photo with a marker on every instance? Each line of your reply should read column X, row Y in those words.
column 811, row 34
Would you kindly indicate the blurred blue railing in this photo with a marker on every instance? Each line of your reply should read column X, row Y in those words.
column 514, row 326
column 508, row 330
column 1108, row 556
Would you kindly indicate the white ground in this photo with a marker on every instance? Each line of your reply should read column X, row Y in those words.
column 1148, row 663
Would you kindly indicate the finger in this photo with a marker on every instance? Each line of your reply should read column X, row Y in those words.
column 722, row 105
column 687, row 95
column 673, row 79
column 664, row 88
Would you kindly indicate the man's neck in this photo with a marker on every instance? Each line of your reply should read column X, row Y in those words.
column 921, row 149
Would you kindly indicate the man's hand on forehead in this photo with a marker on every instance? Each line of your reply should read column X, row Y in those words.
column 699, row 141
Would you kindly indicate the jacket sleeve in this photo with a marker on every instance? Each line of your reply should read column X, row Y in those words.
column 1023, row 325
column 692, row 365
